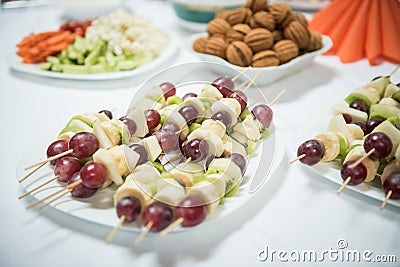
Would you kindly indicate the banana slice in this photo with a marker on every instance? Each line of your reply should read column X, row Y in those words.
column 370, row 164
column 66, row 136
column 104, row 157
column 338, row 124
column 332, row 145
column 131, row 189
column 209, row 92
column 187, row 172
column 208, row 192
column 123, row 131
column 216, row 127
column 125, row 159
column 171, row 194
column 111, row 131
column 356, row 131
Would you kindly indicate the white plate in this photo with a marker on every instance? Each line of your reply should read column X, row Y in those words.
column 34, row 69
column 306, row 5
column 99, row 208
column 268, row 74
column 331, row 170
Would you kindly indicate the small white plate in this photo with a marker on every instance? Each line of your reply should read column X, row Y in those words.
column 34, row 69
column 267, row 74
column 331, row 170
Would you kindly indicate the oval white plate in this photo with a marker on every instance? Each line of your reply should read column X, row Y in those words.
column 268, row 74
column 34, row 69
column 331, row 170
column 99, row 208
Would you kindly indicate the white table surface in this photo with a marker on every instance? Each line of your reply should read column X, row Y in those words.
column 296, row 210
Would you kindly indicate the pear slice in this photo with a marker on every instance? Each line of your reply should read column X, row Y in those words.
column 392, row 132
column 152, row 146
column 138, row 116
column 101, row 135
column 355, row 114
column 380, row 84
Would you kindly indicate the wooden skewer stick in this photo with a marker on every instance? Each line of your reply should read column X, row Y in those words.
column 260, row 98
column 171, row 226
column 362, row 158
column 54, row 199
column 39, row 186
column 186, row 162
column 251, row 82
column 112, row 234
column 242, row 84
column 174, row 158
column 346, row 182
column 70, row 186
column 143, row 234
column 388, row 195
column 298, row 158
column 395, row 70
column 277, row 97
column 179, row 131
column 241, row 73
column 31, row 172
column 50, row 159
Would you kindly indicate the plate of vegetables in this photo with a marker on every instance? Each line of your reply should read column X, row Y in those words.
column 187, row 152
column 114, row 46
column 360, row 150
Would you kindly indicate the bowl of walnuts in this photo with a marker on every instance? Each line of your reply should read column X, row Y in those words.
column 270, row 38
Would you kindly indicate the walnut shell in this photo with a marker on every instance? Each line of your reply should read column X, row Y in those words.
column 256, row 5
column 266, row 58
column 216, row 46
column 259, row 39
column 218, row 26
column 199, row 45
column 315, row 41
column 297, row 33
column 263, row 19
column 238, row 53
column 237, row 32
column 286, row 50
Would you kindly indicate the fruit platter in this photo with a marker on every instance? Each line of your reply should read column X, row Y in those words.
column 188, row 151
column 360, row 148
column 113, row 46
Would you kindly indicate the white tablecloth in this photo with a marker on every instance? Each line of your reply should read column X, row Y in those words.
column 297, row 210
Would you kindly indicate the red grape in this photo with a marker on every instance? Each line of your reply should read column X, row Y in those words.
column 188, row 95
column 359, row 105
column 313, row 150
column 108, row 113
column 240, row 96
column 263, row 114
column 168, row 89
column 223, row 117
column 129, row 207
column 380, row 142
column 196, row 149
column 239, row 160
column 93, row 174
column 159, row 213
column 347, row 118
column 371, row 124
column 131, row 124
column 192, row 209
column 81, row 190
column 189, row 113
column 357, row 173
column 167, row 140
column 55, row 148
column 392, row 183
column 224, row 84
column 170, row 127
column 84, row 145
column 141, row 150
column 153, row 118
column 66, row 167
